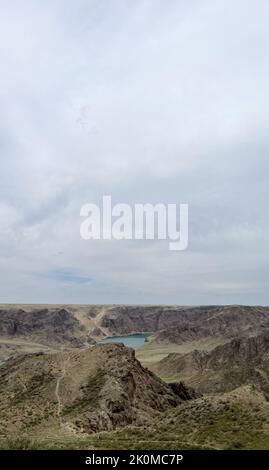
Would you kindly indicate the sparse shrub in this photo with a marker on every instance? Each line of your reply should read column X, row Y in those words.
column 237, row 445
column 19, row 443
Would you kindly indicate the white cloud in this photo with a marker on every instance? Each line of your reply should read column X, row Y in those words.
column 149, row 101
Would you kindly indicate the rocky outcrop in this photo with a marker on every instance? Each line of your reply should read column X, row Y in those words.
column 184, row 392
column 102, row 388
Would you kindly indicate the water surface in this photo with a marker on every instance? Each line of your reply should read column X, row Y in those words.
column 132, row 341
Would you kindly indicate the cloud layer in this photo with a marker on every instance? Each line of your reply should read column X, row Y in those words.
column 148, row 101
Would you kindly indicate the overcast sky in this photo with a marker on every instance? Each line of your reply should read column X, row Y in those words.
column 149, row 101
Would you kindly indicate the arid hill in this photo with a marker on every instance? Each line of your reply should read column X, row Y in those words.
column 51, row 327
column 224, row 322
column 127, row 319
column 241, row 361
column 234, row 420
column 101, row 388
column 32, row 328
column 68, row 393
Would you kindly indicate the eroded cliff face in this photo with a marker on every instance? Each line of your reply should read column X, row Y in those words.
column 225, row 322
column 53, row 327
column 123, row 320
column 78, row 326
